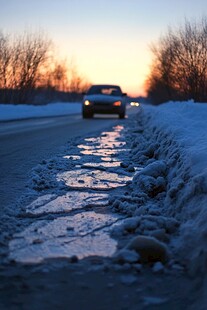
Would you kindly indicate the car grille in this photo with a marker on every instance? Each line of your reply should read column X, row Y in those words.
column 103, row 103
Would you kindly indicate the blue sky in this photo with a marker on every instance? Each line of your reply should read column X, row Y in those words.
column 108, row 40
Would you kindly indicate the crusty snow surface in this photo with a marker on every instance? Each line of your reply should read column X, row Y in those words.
column 170, row 142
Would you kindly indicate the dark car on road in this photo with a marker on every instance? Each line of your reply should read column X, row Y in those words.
column 104, row 99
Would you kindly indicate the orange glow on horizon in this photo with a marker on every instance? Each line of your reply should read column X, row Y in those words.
column 106, row 62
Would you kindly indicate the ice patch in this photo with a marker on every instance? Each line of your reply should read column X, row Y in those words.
column 109, row 145
column 83, row 235
column 71, row 201
column 94, row 179
column 102, row 165
column 109, row 159
column 103, row 152
column 100, row 244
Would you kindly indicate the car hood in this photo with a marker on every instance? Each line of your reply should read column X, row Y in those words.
column 102, row 98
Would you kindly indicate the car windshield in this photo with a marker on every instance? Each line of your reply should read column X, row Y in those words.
column 109, row 90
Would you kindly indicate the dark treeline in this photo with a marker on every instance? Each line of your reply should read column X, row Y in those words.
column 179, row 68
column 31, row 73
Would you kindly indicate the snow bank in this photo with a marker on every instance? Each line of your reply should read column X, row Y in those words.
column 23, row 111
column 169, row 195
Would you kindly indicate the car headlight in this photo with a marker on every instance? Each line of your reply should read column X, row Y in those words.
column 87, row 102
column 117, row 103
column 134, row 104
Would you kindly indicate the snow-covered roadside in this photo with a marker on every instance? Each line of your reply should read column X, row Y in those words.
column 162, row 151
column 10, row 112
column 168, row 196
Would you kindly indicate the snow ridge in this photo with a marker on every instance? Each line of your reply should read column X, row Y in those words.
column 168, row 196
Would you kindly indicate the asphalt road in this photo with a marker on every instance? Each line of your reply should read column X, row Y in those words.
column 25, row 143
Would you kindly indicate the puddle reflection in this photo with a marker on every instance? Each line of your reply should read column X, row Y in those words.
column 95, row 179
column 109, row 145
column 103, row 152
column 83, row 235
column 102, row 165
column 109, row 159
column 71, row 201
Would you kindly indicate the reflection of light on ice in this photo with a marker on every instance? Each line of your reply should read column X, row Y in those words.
column 83, row 235
column 105, row 144
column 109, row 159
column 71, row 201
column 97, row 152
column 100, row 244
column 118, row 128
column 102, row 165
column 94, row 179
column 109, row 145
column 103, row 152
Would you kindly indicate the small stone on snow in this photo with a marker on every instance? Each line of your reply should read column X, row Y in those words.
column 149, row 249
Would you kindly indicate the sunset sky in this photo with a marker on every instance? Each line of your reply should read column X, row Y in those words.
column 107, row 39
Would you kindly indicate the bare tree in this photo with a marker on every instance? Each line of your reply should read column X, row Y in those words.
column 180, row 64
column 21, row 58
column 5, row 63
column 29, row 67
column 77, row 83
column 64, row 78
column 57, row 75
column 33, row 52
column 4, row 59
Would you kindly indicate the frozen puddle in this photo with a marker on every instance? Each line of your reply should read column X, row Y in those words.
column 84, row 234
column 102, row 152
column 103, row 165
column 105, row 145
column 95, row 179
column 69, row 224
column 101, row 145
column 71, row 201
column 109, row 159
